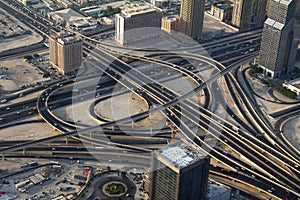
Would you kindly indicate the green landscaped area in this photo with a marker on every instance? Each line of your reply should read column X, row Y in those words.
column 115, row 188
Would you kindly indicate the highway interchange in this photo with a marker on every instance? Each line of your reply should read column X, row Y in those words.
column 258, row 158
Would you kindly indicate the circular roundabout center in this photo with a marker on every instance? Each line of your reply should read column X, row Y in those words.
column 114, row 189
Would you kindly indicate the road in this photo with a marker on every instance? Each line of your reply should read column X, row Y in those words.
column 265, row 160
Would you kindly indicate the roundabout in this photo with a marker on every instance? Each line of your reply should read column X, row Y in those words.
column 110, row 186
column 114, row 189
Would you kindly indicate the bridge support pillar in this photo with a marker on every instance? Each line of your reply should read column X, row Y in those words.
column 24, row 151
column 173, row 131
column 201, row 93
column 66, row 141
column 3, row 157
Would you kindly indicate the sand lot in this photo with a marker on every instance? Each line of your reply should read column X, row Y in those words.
column 19, row 41
column 18, row 73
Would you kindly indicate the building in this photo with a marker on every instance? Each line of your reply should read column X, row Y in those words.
column 179, row 172
column 268, row 7
column 218, row 191
column 294, row 86
column 280, row 39
column 134, row 16
column 65, row 52
column 169, row 23
column 29, row 2
column 191, row 18
column 249, row 14
column 74, row 20
column 222, row 10
column 159, row 3
column 65, row 16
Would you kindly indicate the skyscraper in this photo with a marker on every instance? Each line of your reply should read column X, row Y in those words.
column 65, row 52
column 179, row 172
column 280, row 39
column 249, row 14
column 191, row 18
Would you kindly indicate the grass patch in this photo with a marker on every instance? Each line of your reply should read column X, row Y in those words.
column 115, row 189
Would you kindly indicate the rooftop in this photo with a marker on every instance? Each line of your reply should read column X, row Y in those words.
column 216, row 189
column 171, row 17
column 181, row 154
column 68, row 40
column 285, row 2
column 223, row 4
column 137, row 8
column 295, row 83
column 36, row 178
column 67, row 14
column 270, row 22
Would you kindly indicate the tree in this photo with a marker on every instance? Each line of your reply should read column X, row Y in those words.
column 111, row 11
column 165, row 4
column 46, row 75
column 28, row 57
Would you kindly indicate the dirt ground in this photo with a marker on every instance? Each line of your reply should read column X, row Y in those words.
column 27, row 131
column 19, row 73
column 19, row 41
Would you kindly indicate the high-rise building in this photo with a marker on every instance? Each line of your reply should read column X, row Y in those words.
column 280, row 38
column 179, row 172
column 268, row 7
column 191, row 18
column 249, row 14
column 137, row 15
column 65, row 52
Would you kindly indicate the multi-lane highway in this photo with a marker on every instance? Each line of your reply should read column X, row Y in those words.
column 263, row 163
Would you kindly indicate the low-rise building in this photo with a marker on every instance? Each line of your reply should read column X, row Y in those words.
column 83, row 24
column 65, row 3
column 36, row 179
column 170, row 23
column 294, row 86
column 73, row 20
column 218, row 191
column 29, row 2
column 222, row 10
column 159, row 3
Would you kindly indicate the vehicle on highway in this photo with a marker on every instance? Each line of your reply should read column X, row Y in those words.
column 3, row 101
